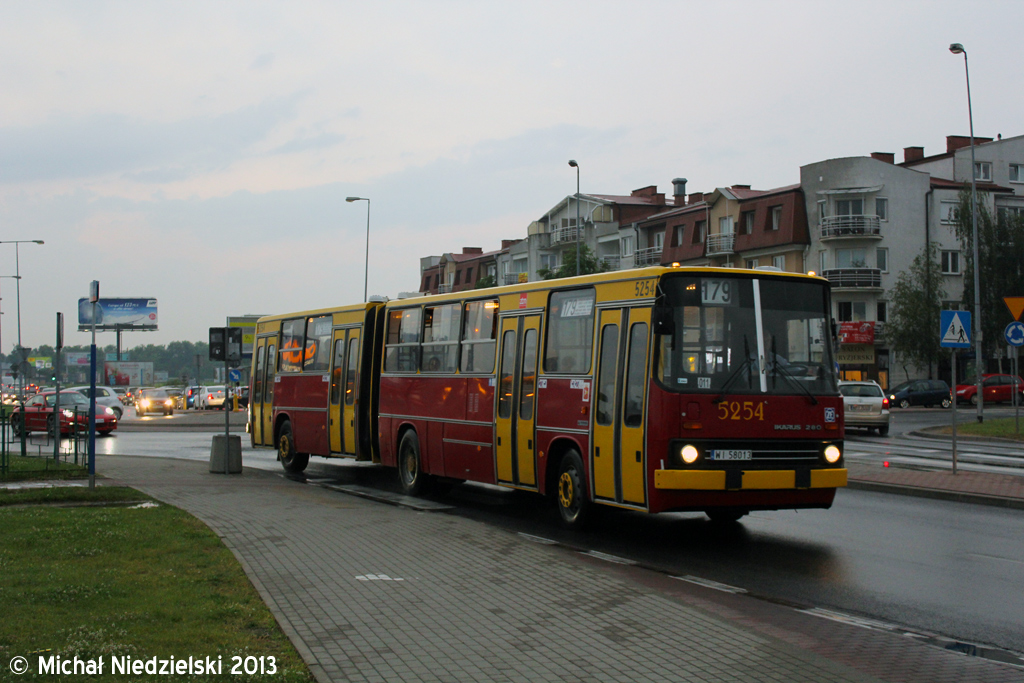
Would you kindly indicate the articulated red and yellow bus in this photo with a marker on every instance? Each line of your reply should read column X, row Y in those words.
column 656, row 389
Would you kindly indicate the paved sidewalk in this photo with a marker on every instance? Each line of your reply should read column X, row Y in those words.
column 373, row 592
column 1005, row 490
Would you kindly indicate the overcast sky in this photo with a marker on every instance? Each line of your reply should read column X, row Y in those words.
column 200, row 153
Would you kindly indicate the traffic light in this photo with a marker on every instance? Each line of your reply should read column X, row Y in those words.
column 234, row 345
column 218, row 349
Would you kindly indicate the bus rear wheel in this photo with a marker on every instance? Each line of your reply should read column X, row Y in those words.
column 290, row 460
column 571, row 494
column 410, row 465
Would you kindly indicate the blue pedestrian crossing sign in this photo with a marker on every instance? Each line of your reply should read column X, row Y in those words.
column 955, row 329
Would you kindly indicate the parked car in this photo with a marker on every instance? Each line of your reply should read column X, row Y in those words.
column 153, row 401
column 122, row 393
column 921, row 392
column 995, row 389
column 211, row 397
column 865, row 405
column 105, row 396
column 38, row 415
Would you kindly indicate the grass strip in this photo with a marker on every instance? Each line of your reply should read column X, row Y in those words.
column 141, row 582
column 42, row 468
column 1003, row 428
column 70, row 495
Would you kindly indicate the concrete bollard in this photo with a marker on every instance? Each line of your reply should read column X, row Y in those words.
column 230, row 444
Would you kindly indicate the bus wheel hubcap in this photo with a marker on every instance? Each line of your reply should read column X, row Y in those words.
column 565, row 490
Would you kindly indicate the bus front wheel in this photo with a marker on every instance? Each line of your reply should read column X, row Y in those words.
column 410, row 466
column 573, row 506
column 292, row 461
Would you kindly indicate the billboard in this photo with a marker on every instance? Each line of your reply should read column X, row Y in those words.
column 114, row 314
column 248, row 325
column 122, row 373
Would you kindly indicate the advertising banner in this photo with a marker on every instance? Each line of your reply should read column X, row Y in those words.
column 121, row 373
column 856, row 354
column 248, row 325
column 862, row 332
column 113, row 314
column 75, row 359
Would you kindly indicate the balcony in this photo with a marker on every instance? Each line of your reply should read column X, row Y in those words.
column 612, row 261
column 849, row 226
column 723, row 244
column 444, row 289
column 563, row 235
column 647, row 257
column 513, row 278
column 854, row 278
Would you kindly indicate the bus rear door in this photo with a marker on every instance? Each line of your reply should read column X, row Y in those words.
column 619, row 459
column 517, row 392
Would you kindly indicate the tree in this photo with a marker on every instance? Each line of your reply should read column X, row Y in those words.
column 913, row 326
column 1001, row 255
column 486, row 281
column 589, row 263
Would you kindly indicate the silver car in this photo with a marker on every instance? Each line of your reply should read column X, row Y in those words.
column 865, row 405
column 105, row 396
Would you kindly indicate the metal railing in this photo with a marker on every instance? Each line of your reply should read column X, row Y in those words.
column 563, row 235
column 650, row 256
column 854, row 277
column 513, row 278
column 721, row 244
column 851, row 226
column 612, row 261
column 444, row 289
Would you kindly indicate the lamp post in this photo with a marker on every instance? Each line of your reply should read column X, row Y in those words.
column 572, row 162
column 366, row 267
column 21, row 354
column 957, row 49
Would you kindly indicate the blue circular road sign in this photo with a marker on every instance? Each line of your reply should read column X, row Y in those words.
column 1014, row 334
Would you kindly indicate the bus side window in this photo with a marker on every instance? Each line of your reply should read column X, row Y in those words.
column 268, row 383
column 292, row 345
column 478, row 336
column 402, row 353
column 570, row 336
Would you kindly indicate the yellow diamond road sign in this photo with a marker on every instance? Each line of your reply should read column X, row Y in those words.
column 1015, row 304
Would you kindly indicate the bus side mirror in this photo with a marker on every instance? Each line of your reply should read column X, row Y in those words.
column 662, row 321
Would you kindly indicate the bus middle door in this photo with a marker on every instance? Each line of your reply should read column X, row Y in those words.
column 335, row 425
column 619, row 463
column 517, row 391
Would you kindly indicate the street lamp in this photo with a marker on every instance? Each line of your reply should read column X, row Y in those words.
column 366, row 267
column 21, row 354
column 572, row 162
column 958, row 49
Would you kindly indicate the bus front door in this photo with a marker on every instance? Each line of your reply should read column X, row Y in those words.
column 619, row 459
column 256, row 393
column 515, row 442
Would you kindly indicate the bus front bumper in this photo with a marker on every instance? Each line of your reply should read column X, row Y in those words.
column 714, row 480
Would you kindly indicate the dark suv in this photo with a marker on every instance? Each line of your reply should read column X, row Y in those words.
column 921, row 392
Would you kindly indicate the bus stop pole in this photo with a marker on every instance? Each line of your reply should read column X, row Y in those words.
column 227, row 413
column 953, row 364
column 94, row 295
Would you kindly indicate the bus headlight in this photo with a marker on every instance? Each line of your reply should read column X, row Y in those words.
column 689, row 454
column 832, row 454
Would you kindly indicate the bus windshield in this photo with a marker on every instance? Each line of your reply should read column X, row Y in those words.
column 746, row 335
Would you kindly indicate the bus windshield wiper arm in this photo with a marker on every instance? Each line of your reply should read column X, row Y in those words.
column 781, row 370
column 736, row 373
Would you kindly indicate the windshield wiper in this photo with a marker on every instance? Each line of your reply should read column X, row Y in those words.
column 736, row 373
column 781, row 370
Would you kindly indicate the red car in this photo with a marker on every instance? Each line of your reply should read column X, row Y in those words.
column 38, row 415
column 995, row 389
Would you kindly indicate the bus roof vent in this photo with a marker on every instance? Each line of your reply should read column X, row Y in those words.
column 773, row 269
column 411, row 295
column 378, row 299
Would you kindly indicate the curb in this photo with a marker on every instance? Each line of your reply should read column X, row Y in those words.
column 937, row 494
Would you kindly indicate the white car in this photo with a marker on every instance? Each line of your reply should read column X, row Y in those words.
column 210, row 397
column 865, row 405
column 105, row 396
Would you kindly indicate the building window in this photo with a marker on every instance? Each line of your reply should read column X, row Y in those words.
column 748, row 222
column 751, row 263
column 851, row 258
column 725, row 225
column 822, row 210
column 982, row 170
column 677, row 236
column 1017, row 173
column 458, row 276
column 779, row 261
column 947, row 211
column 626, row 244
column 882, row 259
column 852, row 311
column 882, row 208
column 951, row 263
column 469, row 276
column 822, row 261
column 659, row 239
column 1005, row 213
column 849, row 207
column 882, row 311
column 698, row 231
column 776, row 217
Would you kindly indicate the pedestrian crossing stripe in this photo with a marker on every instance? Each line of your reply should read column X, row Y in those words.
column 955, row 333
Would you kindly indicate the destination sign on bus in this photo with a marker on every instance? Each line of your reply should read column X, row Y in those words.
column 716, row 292
column 578, row 308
